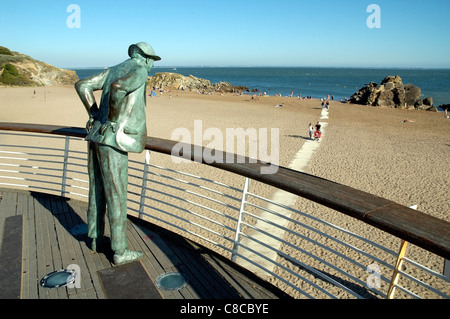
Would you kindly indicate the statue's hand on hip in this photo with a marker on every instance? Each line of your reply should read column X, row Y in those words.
column 89, row 124
column 108, row 126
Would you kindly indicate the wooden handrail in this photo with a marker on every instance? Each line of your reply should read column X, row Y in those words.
column 416, row 227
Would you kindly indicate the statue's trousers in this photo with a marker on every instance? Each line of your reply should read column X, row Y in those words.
column 108, row 180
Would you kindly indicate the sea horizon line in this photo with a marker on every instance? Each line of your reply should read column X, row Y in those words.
column 273, row 67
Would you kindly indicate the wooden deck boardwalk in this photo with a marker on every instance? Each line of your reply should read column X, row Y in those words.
column 49, row 244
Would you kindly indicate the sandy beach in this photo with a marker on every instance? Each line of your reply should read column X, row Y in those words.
column 371, row 149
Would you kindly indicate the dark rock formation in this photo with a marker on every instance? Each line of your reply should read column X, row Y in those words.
column 175, row 81
column 425, row 104
column 390, row 93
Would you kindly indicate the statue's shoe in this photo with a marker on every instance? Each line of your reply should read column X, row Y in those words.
column 127, row 256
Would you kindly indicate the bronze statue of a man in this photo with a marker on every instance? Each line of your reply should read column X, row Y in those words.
column 116, row 127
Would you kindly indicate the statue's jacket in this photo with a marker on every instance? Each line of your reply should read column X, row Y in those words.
column 125, row 127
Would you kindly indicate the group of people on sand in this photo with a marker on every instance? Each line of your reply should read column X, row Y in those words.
column 315, row 132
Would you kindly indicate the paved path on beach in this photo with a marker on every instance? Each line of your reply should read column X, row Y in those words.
column 299, row 163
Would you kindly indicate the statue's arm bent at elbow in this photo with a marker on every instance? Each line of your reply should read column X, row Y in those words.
column 85, row 89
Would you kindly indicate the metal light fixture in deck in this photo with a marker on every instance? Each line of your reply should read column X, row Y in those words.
column 171, row 281
column 59, row 278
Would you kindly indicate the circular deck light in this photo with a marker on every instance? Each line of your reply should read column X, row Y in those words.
column 59, row 278
column 171, row 281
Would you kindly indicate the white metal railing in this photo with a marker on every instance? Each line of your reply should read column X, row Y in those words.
column 314, row 258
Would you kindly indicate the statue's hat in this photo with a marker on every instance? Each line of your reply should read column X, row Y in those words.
column 145, row 49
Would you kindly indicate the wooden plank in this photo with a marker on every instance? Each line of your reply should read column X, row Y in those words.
column 29, row 282
column 128, row 281
column 81, row 254
column 55, row 248
column 11, row 258
column 65, row 246
column 94, row 261
column 44, row 255
column 93, row 264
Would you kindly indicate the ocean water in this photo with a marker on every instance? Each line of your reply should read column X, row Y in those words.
column 313, row 81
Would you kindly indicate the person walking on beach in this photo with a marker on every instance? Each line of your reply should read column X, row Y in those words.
column 311, row 131
column 318, row 126
column 115, row 128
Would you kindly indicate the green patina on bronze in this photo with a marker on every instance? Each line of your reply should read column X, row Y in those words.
column 116, row 127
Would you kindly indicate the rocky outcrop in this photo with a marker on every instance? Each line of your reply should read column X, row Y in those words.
column 175, row 81
column 17, row 69
column 390, row 93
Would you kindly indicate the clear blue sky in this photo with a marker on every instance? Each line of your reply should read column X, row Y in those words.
column 414, row 33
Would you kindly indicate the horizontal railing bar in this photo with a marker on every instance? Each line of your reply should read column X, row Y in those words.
column 31, row 160
column 30, row 173
column 77, row 194
column 324, row 222
column 311, row 269
column 192, row 193
column 423, row 284
column 76, row 172
column 197, row 177
column 33, row 154
column 32, row 187
column 77, row 152
column 45, row 129
column 134, row 176
column 192, row 213
column 32, row 167
column 78, row 187
column 343, row 243
column 186, row 230
column 275, row 276
column 431, row 271
column 77, row 158
column 132, row 168
column 410, row 293
column 42, row 169
column 284, row 268
column 193, row 184
column 33, row 180
column 29, row 147
column 317, row 258
column 191, row 202
column 77, row 179
column 35, row 135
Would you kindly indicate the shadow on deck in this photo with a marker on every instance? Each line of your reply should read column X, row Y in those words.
column 53, row 238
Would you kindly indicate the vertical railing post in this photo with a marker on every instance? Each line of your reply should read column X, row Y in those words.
column 66, row 160
column 237, row 235
column 446, row 271
column 398, row 266
column 144, row 183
